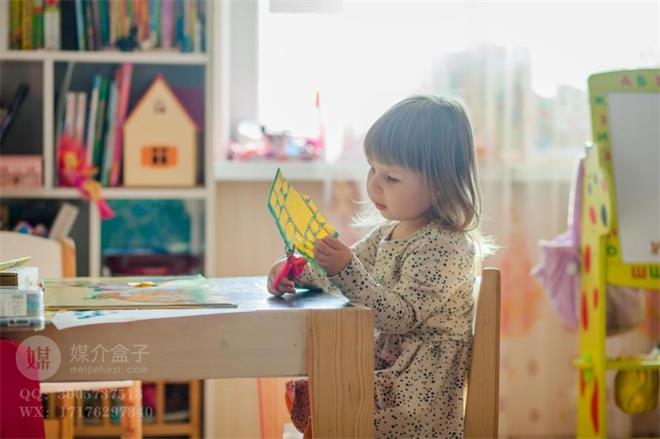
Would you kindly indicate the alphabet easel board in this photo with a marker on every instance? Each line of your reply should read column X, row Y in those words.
column 620, row 236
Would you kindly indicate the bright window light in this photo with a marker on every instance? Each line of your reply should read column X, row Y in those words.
column 520, row 67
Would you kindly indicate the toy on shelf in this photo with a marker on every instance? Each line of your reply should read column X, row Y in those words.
column 256, row 141
column 160, row 140
column 75, row 172
column 620, row 238
column 20, row 171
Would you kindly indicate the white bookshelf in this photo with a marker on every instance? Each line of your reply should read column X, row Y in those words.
column 47, row 61
column 107, row 56
column 112, row 193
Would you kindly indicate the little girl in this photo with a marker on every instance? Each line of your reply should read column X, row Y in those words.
column 416, row 271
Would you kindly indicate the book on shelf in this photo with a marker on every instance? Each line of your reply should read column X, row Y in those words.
column 108, row 143
column 52, row 25
column 91, row 118
column 99, row 133
column 124, row 77
column 26, row 25
column 106, row 24
column 95, row 119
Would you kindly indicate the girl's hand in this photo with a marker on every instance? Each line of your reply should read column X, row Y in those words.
column 332, row 254
column 285, row 286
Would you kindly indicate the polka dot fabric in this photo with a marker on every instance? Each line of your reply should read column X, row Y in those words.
column 420, row 290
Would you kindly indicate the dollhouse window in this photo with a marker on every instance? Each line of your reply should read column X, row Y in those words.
column 159, row 156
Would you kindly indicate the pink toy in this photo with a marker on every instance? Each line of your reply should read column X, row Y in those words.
column 75, row 172
column 559, row 272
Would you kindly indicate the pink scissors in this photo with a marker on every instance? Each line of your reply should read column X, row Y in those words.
column 292, row 268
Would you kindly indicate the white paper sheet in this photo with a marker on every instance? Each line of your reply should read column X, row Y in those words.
column 634, row 120
column 71, row 319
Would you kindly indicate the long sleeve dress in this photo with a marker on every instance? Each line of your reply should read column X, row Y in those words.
column 420, row 290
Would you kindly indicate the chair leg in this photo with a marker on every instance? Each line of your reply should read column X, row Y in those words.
column 131, row 416
column 66, row 415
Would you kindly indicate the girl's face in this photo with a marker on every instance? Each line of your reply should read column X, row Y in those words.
column 398, row 193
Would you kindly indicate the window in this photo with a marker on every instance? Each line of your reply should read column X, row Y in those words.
column 520, row 67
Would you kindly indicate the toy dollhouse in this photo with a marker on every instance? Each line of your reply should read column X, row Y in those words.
column 160, row 140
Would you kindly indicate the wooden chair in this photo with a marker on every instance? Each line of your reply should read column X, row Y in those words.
column 481, row 412
column 58, row 259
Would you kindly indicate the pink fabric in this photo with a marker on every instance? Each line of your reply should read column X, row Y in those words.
column 21, row 414
column 559, row 273
column 558, row 270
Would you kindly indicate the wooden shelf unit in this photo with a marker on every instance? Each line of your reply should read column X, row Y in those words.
column 43, row 65
column 43, row 68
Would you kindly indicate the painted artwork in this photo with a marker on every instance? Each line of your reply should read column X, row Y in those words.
column 133, row 293
column 297, row 218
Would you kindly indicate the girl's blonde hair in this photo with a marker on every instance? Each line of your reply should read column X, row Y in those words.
column 432, row 135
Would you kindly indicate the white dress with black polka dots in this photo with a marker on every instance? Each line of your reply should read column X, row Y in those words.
column 420, row 291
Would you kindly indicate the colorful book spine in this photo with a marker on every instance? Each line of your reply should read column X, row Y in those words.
column 112, row 24
column 37, row 24
column 104, row 19
column 81, row 112
column 96, row 23
column 124, row 79
column 26, row 25
column 197, row 28
column 97, row 154
column 80, row 24
column 52, row 25
column 166, row 23
column 178, row 23
column 15, row 24
column 70, row 114
column 89, row 25
column 91, row 119
column 154, row 13
column 109, row 141
column 122, row 28
column 143, row 24
column 60, row 109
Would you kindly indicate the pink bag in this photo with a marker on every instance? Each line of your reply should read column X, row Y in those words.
column 559, row 273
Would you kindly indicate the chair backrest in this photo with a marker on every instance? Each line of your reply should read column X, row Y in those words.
column 54, row 258
column 481, row 411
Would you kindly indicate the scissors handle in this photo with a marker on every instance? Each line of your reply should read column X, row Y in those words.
column 291, row 269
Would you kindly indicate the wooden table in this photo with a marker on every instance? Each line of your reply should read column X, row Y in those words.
column 309, row 334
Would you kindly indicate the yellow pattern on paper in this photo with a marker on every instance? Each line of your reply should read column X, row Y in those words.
column 297, row 217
